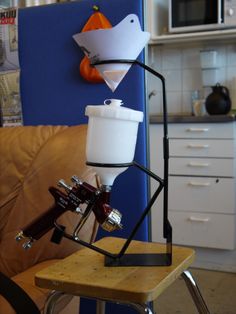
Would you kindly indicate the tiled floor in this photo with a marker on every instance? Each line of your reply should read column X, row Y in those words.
column 217, row 288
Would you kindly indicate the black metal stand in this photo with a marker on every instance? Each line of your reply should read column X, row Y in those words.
column 145, row 259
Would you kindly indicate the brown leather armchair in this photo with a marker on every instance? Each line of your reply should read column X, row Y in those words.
column 32, row 159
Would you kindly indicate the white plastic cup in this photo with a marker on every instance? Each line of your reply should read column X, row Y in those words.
column 112, row 136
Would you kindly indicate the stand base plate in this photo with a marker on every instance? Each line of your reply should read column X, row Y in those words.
column 158, row 259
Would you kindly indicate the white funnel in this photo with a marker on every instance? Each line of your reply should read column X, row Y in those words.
column 111, row 138
column 124, row 41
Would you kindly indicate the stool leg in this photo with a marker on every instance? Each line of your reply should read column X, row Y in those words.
column 100, row 307
column 140, row 308
column 51, row 301
column 195, row 293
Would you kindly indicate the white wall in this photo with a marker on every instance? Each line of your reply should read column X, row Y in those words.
column 180, row 65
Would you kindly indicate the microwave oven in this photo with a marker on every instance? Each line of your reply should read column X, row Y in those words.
column 201, row 15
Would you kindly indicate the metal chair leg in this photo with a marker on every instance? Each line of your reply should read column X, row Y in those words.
column 195, row 293
column 141, row 308
column 52, row 300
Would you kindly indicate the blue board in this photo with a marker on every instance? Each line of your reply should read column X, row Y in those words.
column 53, row 92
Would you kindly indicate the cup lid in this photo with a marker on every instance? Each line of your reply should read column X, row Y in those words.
column 112, row 110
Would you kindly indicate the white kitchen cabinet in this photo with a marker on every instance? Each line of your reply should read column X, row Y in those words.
column 201, row 183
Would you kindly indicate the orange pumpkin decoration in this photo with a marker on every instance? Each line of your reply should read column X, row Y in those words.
column 96, row 21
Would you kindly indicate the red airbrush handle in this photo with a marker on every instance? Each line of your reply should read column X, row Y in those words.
column 45, row 222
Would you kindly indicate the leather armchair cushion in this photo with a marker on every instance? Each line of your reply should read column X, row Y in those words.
column 32, row 159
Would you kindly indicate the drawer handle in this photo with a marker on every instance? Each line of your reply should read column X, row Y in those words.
column 197, row 130
column 197, row 219
column 193, row 183
column 198, row 164
column 198, row 145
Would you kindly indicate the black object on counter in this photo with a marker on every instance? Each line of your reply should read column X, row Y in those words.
column 218, row 102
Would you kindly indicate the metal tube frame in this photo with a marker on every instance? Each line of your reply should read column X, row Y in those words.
column 55, row 296
column 195, row 292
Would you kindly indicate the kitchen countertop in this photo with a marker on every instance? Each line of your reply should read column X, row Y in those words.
column 178, row 118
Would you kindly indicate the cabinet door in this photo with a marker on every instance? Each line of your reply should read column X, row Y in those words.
column 202, row 194
column 196, row 229
column 204, row 230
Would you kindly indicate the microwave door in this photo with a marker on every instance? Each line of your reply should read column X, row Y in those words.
column 194, row 15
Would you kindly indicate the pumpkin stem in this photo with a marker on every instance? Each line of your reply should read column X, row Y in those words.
column 96, row 8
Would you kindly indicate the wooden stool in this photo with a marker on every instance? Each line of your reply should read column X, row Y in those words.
column 85, row 275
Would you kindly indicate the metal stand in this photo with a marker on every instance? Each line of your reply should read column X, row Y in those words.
column 158, row 259
column 122, row 259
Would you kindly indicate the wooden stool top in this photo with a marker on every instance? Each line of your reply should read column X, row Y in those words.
column 84, row 274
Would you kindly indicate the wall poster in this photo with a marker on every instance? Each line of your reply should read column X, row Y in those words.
column 10, row 102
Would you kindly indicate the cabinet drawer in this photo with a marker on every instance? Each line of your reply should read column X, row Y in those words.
column 202, row 130
column 202, row 167
column 204, row 230
column 202, row 148
column 202, row 194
